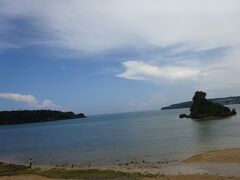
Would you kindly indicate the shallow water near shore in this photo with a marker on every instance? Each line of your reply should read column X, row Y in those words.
column 150, row 136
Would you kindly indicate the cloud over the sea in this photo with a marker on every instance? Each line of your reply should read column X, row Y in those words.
column 139, row 70
column 30, row 100
column 220, row 73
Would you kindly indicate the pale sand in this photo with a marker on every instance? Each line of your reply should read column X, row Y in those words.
column 218, row 162
column 217, row 156
column 210, row 165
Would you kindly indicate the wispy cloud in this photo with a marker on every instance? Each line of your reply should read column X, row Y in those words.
column 213, row 75
column 7, row 45
column 223, row 73
column 30, row 100
column 99, row 26
column 139, row 70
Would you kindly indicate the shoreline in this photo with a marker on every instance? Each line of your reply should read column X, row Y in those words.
column 210, row 164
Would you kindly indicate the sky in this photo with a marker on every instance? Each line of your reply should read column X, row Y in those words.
column 113, row 56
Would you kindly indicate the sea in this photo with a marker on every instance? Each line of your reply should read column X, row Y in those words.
column 147, row 136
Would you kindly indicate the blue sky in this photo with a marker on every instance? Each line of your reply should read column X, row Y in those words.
column 116, row 56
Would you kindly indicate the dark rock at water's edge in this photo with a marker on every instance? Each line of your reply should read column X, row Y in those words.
column 203, row 109
column 30, row 116
column 184, row 116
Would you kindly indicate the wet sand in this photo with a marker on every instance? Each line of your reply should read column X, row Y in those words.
column 217, row 156
column 210, row 165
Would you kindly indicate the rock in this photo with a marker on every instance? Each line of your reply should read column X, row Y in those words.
column 203, row 108
column 234, row 112
column 183, row 116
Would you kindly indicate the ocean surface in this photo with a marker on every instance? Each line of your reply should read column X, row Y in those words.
column 152, row 136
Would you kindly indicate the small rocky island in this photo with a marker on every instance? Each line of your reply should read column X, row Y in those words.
column 205, row 109
column 30, row 116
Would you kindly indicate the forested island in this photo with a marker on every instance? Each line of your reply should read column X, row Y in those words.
column 222, row 101
column 202, row 108
column 30, row 116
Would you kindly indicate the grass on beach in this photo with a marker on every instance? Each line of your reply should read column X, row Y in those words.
column 91, row 174
column 13, row 170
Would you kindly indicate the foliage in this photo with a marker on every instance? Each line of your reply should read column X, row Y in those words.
column 27, row 116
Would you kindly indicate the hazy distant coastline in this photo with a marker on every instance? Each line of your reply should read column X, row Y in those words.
column 188, row 104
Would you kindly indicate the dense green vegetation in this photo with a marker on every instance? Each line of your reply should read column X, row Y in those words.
column 203, row 108
column 27, row 116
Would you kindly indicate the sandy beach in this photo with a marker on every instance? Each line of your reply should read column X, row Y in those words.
column 180, row 177
column 216, row 156
column 217, row 164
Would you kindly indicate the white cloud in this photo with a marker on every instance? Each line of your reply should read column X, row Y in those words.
column 45, row 104
column 99, row 26
column 139, row 70
column 221, row 74
column 30, row 100
column 19, row 97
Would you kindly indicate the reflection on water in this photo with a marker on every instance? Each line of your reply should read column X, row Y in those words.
column 213, row 134
column 205, row 131
column 117, row 138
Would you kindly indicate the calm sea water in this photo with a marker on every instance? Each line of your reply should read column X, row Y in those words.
column 151, row 136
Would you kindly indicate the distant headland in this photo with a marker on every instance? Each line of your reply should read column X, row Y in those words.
column 30, row 116
column 202, row 108
column 188, row 104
